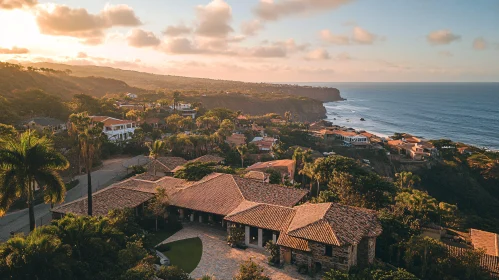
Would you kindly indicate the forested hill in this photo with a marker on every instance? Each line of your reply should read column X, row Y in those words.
column 59, row 83
column 205, row 86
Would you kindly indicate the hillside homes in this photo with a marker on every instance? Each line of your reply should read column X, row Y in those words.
column 116, row 130
column 325, row 235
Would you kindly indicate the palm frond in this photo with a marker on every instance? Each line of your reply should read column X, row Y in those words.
column 53, row 187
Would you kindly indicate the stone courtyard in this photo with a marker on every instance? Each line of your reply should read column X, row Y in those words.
column 222, row 261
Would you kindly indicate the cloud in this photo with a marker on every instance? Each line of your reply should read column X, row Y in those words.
column 17, row 4
column 442, row 37
column 479, row 44
column 176, row 30
column 358, row 36
column 291, row 45
column 251, row 28
column 329, row 37
column 14, row 50
column 343, row 57
column 363, row 36
column 82, row 55
column 270, row 10
column 318, row 54
column 445, row 54
column 139, row 38
column 182, row 46
column 213, row 19
column 268, row 51
column 62, row 20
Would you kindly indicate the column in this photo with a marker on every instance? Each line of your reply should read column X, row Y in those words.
column 247, row 235
column 274, row 238
column 260, row 237
column 200, row 218
column 192, row 217
column 181, row 213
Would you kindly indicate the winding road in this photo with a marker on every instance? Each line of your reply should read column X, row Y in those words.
column 111, row 171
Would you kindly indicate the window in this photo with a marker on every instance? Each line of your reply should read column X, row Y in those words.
column 329, row 251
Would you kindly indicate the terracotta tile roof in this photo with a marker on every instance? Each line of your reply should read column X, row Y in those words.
column 104, row 201
column 218, row 194
column 333, row 223
column 208, row 158
column 261, row 192
column 108, row 121
column 344, row 133
column 236, row 139
column 487, row 241
column 147, row 176
column 166, row 164
column 257, row 175
column 263, row 216
column 395, row 142
column 367, row 134
column 293, row 242
column 222, row 193
column 286, row 165
column 170, row 184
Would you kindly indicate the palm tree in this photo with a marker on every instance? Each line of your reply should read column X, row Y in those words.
column 302, row 157
column 311, row 170
column 287, row 116
column 407, row 179
column 158, row 206
column 176, row 97
column 156, row 149
column 90, row 137
column 243, row 152
column 25, row 162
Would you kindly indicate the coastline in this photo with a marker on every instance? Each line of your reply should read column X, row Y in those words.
column 384, row 135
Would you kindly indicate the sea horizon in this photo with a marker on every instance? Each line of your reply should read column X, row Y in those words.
column 467, row 113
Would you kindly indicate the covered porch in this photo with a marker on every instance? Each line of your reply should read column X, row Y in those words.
column 256, row 237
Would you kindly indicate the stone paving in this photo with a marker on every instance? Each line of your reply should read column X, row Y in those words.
column 222, row 261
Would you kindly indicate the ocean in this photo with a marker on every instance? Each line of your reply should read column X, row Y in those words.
column 462, row 112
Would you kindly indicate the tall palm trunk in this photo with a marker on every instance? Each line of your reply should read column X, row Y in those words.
column 242, row 162
column 318, row 188
column 31, row 208
column 89, row 181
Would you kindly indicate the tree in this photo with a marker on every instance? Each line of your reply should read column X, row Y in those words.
column 173, row 123
column 159, row 204
column 7, row 131
column 287, row 116
column 278, row 150
column 274, row 251
column 243, row 152
column 176, row 98
column 25, row 162
column 407, row 180
column 325, row 196
column 195, row 171
column 156, row 149
column 302, row 157
column 134, row 115
column 226, row 128
column 249, row 270
column 275, row 176
column 90, row 137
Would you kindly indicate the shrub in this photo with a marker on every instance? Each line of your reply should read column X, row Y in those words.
column 172, row 273
column 236, row 236
column 249, row 270
column 273, row 249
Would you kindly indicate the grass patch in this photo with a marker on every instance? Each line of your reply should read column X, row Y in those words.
column 156, row 237
column 186, row 253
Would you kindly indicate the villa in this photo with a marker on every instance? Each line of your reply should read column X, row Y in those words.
column 321, row 236
column 116, row 129
column 236, row 139
column 286, row 167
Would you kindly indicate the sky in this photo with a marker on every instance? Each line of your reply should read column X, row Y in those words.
column 262, row 40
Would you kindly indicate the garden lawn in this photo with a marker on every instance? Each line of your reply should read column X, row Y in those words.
column 185, row 253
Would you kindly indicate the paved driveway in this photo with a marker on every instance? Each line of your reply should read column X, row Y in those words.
column 111, row 171
column 222, row 261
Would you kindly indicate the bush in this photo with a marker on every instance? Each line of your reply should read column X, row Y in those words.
column 249, row 270
column 303, row 269
column 273, row 249
column 172, row 273
column 236, row 236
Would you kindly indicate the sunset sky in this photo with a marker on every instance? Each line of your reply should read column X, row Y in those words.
column 262, row 40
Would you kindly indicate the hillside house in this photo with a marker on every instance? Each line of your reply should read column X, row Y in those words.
column 484, row 240
column 324, row 235
column 116, row 130
column 236, row 139
column 45, row 123
column 286, row 167
column 264, row 144
column 131, row 95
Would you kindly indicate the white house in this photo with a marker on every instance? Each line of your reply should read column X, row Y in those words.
column 116, row 129
column 131, row 95
column 185, row 110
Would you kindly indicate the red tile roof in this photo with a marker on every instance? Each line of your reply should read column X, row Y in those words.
column 257, row 175
column 208, row 158
column 286, row 165
column 264, row 216
column 108, row 121
column 485, row 240
column 104, row 201
column 333, row 223
column 293, row 242
column 166, row 164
